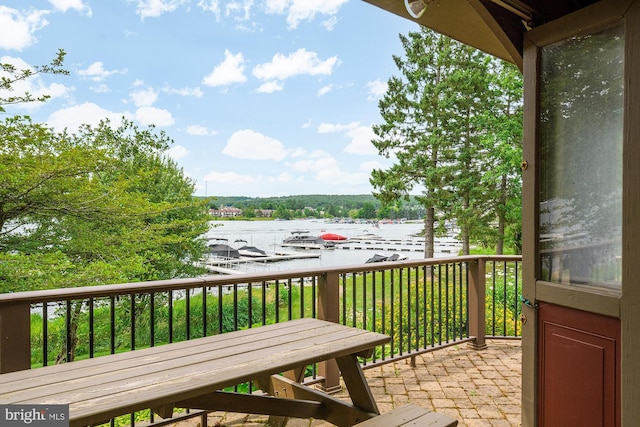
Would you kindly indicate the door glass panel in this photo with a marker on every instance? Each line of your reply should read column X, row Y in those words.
column 581, row 123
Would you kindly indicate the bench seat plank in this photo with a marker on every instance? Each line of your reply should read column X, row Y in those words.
column 100, row 388
column 409, row 415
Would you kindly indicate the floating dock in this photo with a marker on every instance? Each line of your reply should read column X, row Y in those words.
column 392, row 245
column 226, row 265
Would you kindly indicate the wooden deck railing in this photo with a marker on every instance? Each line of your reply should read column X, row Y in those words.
column 423, row 304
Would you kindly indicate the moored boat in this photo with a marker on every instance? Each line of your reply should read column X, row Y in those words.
column 383, row 258
column 303, row 239
column 222, row 250
column 251, row 251
column 332, row 237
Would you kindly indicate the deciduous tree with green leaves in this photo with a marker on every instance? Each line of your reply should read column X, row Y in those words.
column 101, row 205
column 104, row 206
column 10, row 75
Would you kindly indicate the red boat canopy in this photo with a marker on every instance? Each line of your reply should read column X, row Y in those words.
column 332, row 236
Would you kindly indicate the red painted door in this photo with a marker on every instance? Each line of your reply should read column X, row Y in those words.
column 579, row 369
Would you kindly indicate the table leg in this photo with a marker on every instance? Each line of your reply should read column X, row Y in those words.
column 356, row 383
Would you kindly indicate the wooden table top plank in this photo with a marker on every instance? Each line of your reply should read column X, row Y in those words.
column 169, row 350
column 209, row 348
column 178, row 388
column 123, row 376
column 223, row 372
column 122, row 383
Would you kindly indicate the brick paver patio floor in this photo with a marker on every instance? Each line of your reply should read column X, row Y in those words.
column 478, row 388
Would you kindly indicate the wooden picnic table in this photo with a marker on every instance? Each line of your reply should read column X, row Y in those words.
column 191, row 374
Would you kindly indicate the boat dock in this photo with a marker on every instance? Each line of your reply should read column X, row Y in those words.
column 391, row 245
column 226, row 265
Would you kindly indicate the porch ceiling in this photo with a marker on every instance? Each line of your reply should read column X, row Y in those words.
column 493, row 26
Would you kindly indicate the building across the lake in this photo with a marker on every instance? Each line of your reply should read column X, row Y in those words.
column 226, row 212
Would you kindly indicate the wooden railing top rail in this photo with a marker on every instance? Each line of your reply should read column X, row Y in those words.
column 101, row 291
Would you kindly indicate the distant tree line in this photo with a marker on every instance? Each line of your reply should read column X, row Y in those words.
column 359, row 206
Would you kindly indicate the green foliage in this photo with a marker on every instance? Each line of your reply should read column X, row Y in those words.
column 170, row 322
column 101, row 206
column 322, row 206
column 367, row 211
column 503, row 305
column 12, row 75
column 282, row 212
column 453, row 123
column 418, row 307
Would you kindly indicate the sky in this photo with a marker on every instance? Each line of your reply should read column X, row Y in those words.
column 261, row 97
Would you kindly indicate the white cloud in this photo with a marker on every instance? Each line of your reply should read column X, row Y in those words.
column 144, row 98
column 248, row 144
column 318, row 153
column 155, row 8
column 343, row 178
column 377, row 89
column 333, row 128
column 186, row 91
column 230, row 178
column 17, row 28
column 97, row 73
column 154, row 116
column 304, row 10
column 231, row 70
column 178, row 152
column 330, row 24
column 88, row 113
column 78, row 5
column 241, row 10
column 300, row 62
column 298, row 152
column 360, row 136
column 270, row 87
column 100, row 88
column 326, row 169
column 277, row 7
column 301, row 152
column 200, row 130
column 371, row 165
column 306, row 165
column 283, row 177
column 325, row 89
column 212, row 6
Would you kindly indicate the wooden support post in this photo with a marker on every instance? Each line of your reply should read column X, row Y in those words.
column 477, row 309
column 15, row 337
column 329, row 310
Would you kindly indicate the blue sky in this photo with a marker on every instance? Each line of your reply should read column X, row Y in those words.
column 261, row 97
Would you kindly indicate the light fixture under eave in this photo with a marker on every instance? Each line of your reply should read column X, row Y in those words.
column 416, row 8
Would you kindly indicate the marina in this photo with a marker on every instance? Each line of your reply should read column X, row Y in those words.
column 359, row 244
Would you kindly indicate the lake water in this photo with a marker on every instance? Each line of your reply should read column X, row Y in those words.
column 268, row 236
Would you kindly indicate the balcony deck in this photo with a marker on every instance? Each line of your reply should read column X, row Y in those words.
column 423, row 304
column 478, row 388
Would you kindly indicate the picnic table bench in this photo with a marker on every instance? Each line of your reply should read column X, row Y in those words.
column 410, row 416
column 192, row 374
